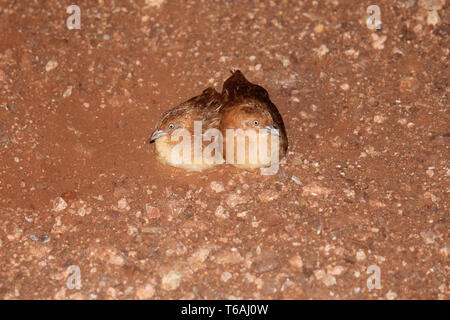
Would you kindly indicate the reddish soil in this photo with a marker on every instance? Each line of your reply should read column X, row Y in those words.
column 365, row 182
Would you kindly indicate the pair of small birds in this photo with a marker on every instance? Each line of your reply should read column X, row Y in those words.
column 241, row 105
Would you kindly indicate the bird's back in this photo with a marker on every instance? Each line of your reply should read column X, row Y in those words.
column 207, row 106
column 237, row 89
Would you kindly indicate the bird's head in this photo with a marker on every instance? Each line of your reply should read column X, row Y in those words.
column 164, row 130
column 168, row 123
column 249, row 117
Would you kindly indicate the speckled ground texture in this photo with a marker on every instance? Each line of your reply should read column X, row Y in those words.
column 365, row 182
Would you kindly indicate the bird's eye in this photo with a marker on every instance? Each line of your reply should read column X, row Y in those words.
column 171, row 126
column 255, row 122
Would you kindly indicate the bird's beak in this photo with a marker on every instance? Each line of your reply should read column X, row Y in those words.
column 157, row 134
column 272, row 130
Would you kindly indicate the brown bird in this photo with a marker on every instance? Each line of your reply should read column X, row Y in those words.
column 200, row 111
column 248, row 106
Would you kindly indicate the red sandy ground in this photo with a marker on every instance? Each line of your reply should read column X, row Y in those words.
column 365, row 181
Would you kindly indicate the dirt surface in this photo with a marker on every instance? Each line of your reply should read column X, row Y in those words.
column 364, row 186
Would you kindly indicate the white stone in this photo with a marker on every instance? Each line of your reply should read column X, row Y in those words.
column 391, row 295
column 432, row 4
column 296, row 180
column 226, row 276
column 217, row 186
column 379, row 119
column 59, row 204
column 360, row 255
column 433, row 18
column 322, row 50
column 154, row 3
column 171, row 281
column 145, row 292
column 52, row 64
column 220, row 213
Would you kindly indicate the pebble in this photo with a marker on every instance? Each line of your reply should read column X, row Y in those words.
column 433, row 18
column 116, row 259
column 360, row 255
column 322, row 50
column 430, row 196
column 296, row 180
column 378, row 41
column 443, row 251
column 122, row 204
column 285, row 61
column 61, row 294
column 432, row 4
column 45, row 238
column 327, row 279
column 428, row 236
column 234, row 199
column 242, row 214
column 336, row 270
column 318, row 28
column 171, row 281
column 112, row 292
column 268, row 195
column 217, row 186
column 226, row 276
column 59, row 204
column 68, row 92
column 52, row 64
column 379, row 119
column 391, row 295
column 229, row 257
column 352, row 53
column 77, row 296
column 349, row 193
column 296, row 262
column 221, row 213
column 198, row 258
column 315, row 190
column 154, row 3
column 145, row 292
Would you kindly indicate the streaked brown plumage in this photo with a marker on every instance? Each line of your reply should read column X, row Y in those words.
column 242, row 105
column 200, row 108
column 248, row 106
